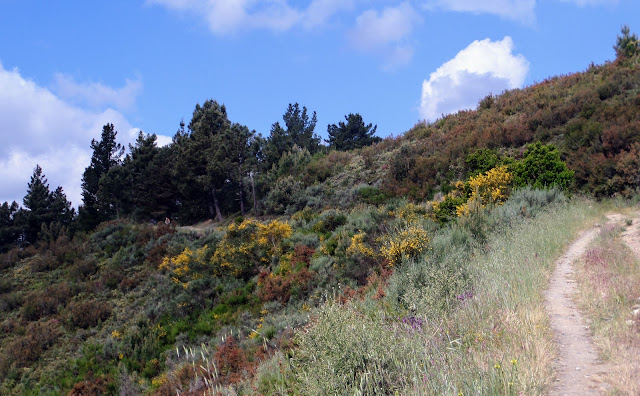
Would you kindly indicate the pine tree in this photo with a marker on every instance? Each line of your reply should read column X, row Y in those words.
column 38, row 202
column 9, row 230
column 299, row 132
column 198, row 162
column 354, row 134
column 106, row 154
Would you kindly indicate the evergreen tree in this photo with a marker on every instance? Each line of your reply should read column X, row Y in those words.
column 199, row 157
column 61, row 210
column 38, row 203
column 627, row 44
column 241, row 150
column 352, row 134
column 301, row 129
column 106, row 154
column 9, row 230
column 299, row 132
column 151, row 193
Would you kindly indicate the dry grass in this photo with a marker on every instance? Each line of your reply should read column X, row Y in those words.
column 496, row 342
column 609, row 291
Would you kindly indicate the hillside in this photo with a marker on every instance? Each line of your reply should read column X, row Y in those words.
column 413, row 265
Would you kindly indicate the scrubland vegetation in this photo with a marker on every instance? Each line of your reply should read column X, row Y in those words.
column 410, row 265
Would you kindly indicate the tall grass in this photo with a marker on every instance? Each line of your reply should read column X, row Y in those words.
column 491, row 338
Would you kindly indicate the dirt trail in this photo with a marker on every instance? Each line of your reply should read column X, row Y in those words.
column 631, row 234
column 577, row 365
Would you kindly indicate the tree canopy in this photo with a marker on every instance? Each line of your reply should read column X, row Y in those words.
column 351, row 135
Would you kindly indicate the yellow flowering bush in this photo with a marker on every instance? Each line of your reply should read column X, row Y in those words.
column 358, row 246
column 407, row 242
column 248, row 244
column 490, row 188
column 184, row 267
column 271, row 235
column 411, row 213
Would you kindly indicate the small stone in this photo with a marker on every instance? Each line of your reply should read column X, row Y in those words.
column 629, row 322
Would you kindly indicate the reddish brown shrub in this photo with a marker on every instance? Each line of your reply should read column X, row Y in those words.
column 85, row 314
column 38, row 304
column 92, row 386
column 231, row 362
column 39, row 337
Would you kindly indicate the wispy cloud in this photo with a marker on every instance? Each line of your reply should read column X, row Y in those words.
column 522, row 11
column 226, row 17
column 483, row 67
column 97, row 95
column 583, row 3
column 386, row 33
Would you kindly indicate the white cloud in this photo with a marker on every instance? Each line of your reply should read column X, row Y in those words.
column 96, row 94
column 228, row 16
column 39, row 127
column 386, row 33
column 483, row 67
column 518, row 10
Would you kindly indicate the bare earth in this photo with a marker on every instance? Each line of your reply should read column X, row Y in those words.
column 577, row 365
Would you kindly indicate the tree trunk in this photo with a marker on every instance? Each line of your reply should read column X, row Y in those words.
column 216, row 204
column 253, row 191
column 241, row 195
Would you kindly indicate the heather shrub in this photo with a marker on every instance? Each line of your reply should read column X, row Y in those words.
column 10, row 301
column 26, row 349
column 38, row 304
column 86, row 314
column 82, row 269
column 6, row 286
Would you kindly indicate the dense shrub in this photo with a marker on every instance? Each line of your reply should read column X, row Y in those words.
column 86, row 314
column 26, row 349
column 38, row 304
column 542, row 167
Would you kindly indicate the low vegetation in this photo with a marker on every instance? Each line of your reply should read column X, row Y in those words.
column 408, row 265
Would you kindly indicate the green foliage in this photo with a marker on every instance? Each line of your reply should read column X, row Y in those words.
column 541, row 167
column 627, row 44
column 372, row 195
column 352, row 135
column 299, row 132
column 107, row 154
column 483, row 160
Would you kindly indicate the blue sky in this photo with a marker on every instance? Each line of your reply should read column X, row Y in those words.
column 69, row 67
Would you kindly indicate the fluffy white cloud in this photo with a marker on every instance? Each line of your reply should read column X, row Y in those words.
column 519, row 10
column 228, row 16
column 386, row 33
column 97, row 94
column 39, row 127
column 483, row 67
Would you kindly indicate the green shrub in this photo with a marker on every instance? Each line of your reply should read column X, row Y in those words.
column 541, row 167
column 372, row 195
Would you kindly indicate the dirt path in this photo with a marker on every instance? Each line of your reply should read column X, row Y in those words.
column 577, row 365
column 631, row 234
